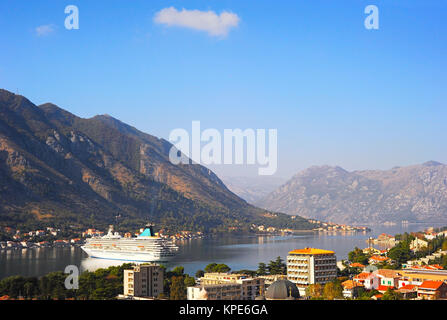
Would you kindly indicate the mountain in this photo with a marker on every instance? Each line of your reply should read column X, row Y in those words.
column 58, row 168
column 414, row 193
column 252, row 189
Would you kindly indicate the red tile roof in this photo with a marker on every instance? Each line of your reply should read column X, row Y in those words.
column 356, row 265
column 362, row 276
column 350, row 284
column 388, row 273
column 379, row 258
column 384, row 288
column 431, row 284
column 409, row 287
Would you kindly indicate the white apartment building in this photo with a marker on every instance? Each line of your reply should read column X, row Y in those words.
column 310, row 266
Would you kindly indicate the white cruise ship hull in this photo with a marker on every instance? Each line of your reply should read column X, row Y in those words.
column 131, row 256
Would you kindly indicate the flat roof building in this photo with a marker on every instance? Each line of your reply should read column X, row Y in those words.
column 310, row 266
column 250, row 287
column 144, row 281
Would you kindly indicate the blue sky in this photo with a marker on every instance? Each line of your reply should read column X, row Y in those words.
column 337, row 93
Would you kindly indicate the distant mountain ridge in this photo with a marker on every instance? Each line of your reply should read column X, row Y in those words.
column 252, row 189
column 57, row 167
column 415, row 193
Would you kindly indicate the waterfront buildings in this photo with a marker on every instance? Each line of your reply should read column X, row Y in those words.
column 144, row 281
column 310, row 266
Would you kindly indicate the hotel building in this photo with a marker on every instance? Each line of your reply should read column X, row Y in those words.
column 310, row 266
column 144, row 281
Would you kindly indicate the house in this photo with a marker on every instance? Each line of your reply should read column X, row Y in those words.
column 368, row 280
column 388, row 277
column 371, row 250
column 432, row 290
column 357, row 265
column 351, row 288
column 418, row 244
column 409, row 291
column 377, row 296
column 361, row 277
column 378, row 259
column 385, row 238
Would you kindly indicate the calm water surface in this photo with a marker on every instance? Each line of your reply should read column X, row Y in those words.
column 239, row 252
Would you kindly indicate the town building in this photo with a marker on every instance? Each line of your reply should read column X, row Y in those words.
column 409, row 291
column 270, row 278
column 222, row 291
column 432, row 290
column 418, row 276
column 418, row 244
column 144, row 280
column 377, row 259
column 310, row 266
column 250, row 287
column 388, row 277
column 351, row 288
column 369, row 280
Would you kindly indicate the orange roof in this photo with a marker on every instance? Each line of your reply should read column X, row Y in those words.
column 409, row 287
column 362, row 276
column 388, row 273
column 311, row 251
column 379, row 258
column 384, row 288
column 431, row 284
column 356, row 265
column 350, row 284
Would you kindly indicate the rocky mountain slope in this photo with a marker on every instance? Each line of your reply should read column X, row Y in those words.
column 252, row 189
column 58, row 168
column 413, row 193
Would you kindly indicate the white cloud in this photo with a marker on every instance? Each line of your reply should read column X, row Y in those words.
column 209, row 21
column 45, row 30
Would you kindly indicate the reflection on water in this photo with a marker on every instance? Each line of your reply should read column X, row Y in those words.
column 239, row 252
column 92, row 264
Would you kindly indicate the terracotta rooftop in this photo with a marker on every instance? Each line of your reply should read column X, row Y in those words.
column 431, row 284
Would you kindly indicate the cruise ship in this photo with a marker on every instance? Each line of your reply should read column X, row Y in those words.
column 144, row 248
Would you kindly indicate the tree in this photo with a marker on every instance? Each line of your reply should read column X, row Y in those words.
column 277, row 266
column 214, row 267
column 392, row 295
column 262, row 269
column 189, row 281
column 444, row 245
column 178, row 271
column 400, row 253
column 199, row 274
column 315, row 291
column 333, row 290
column 178, row 288
column 357, row 255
